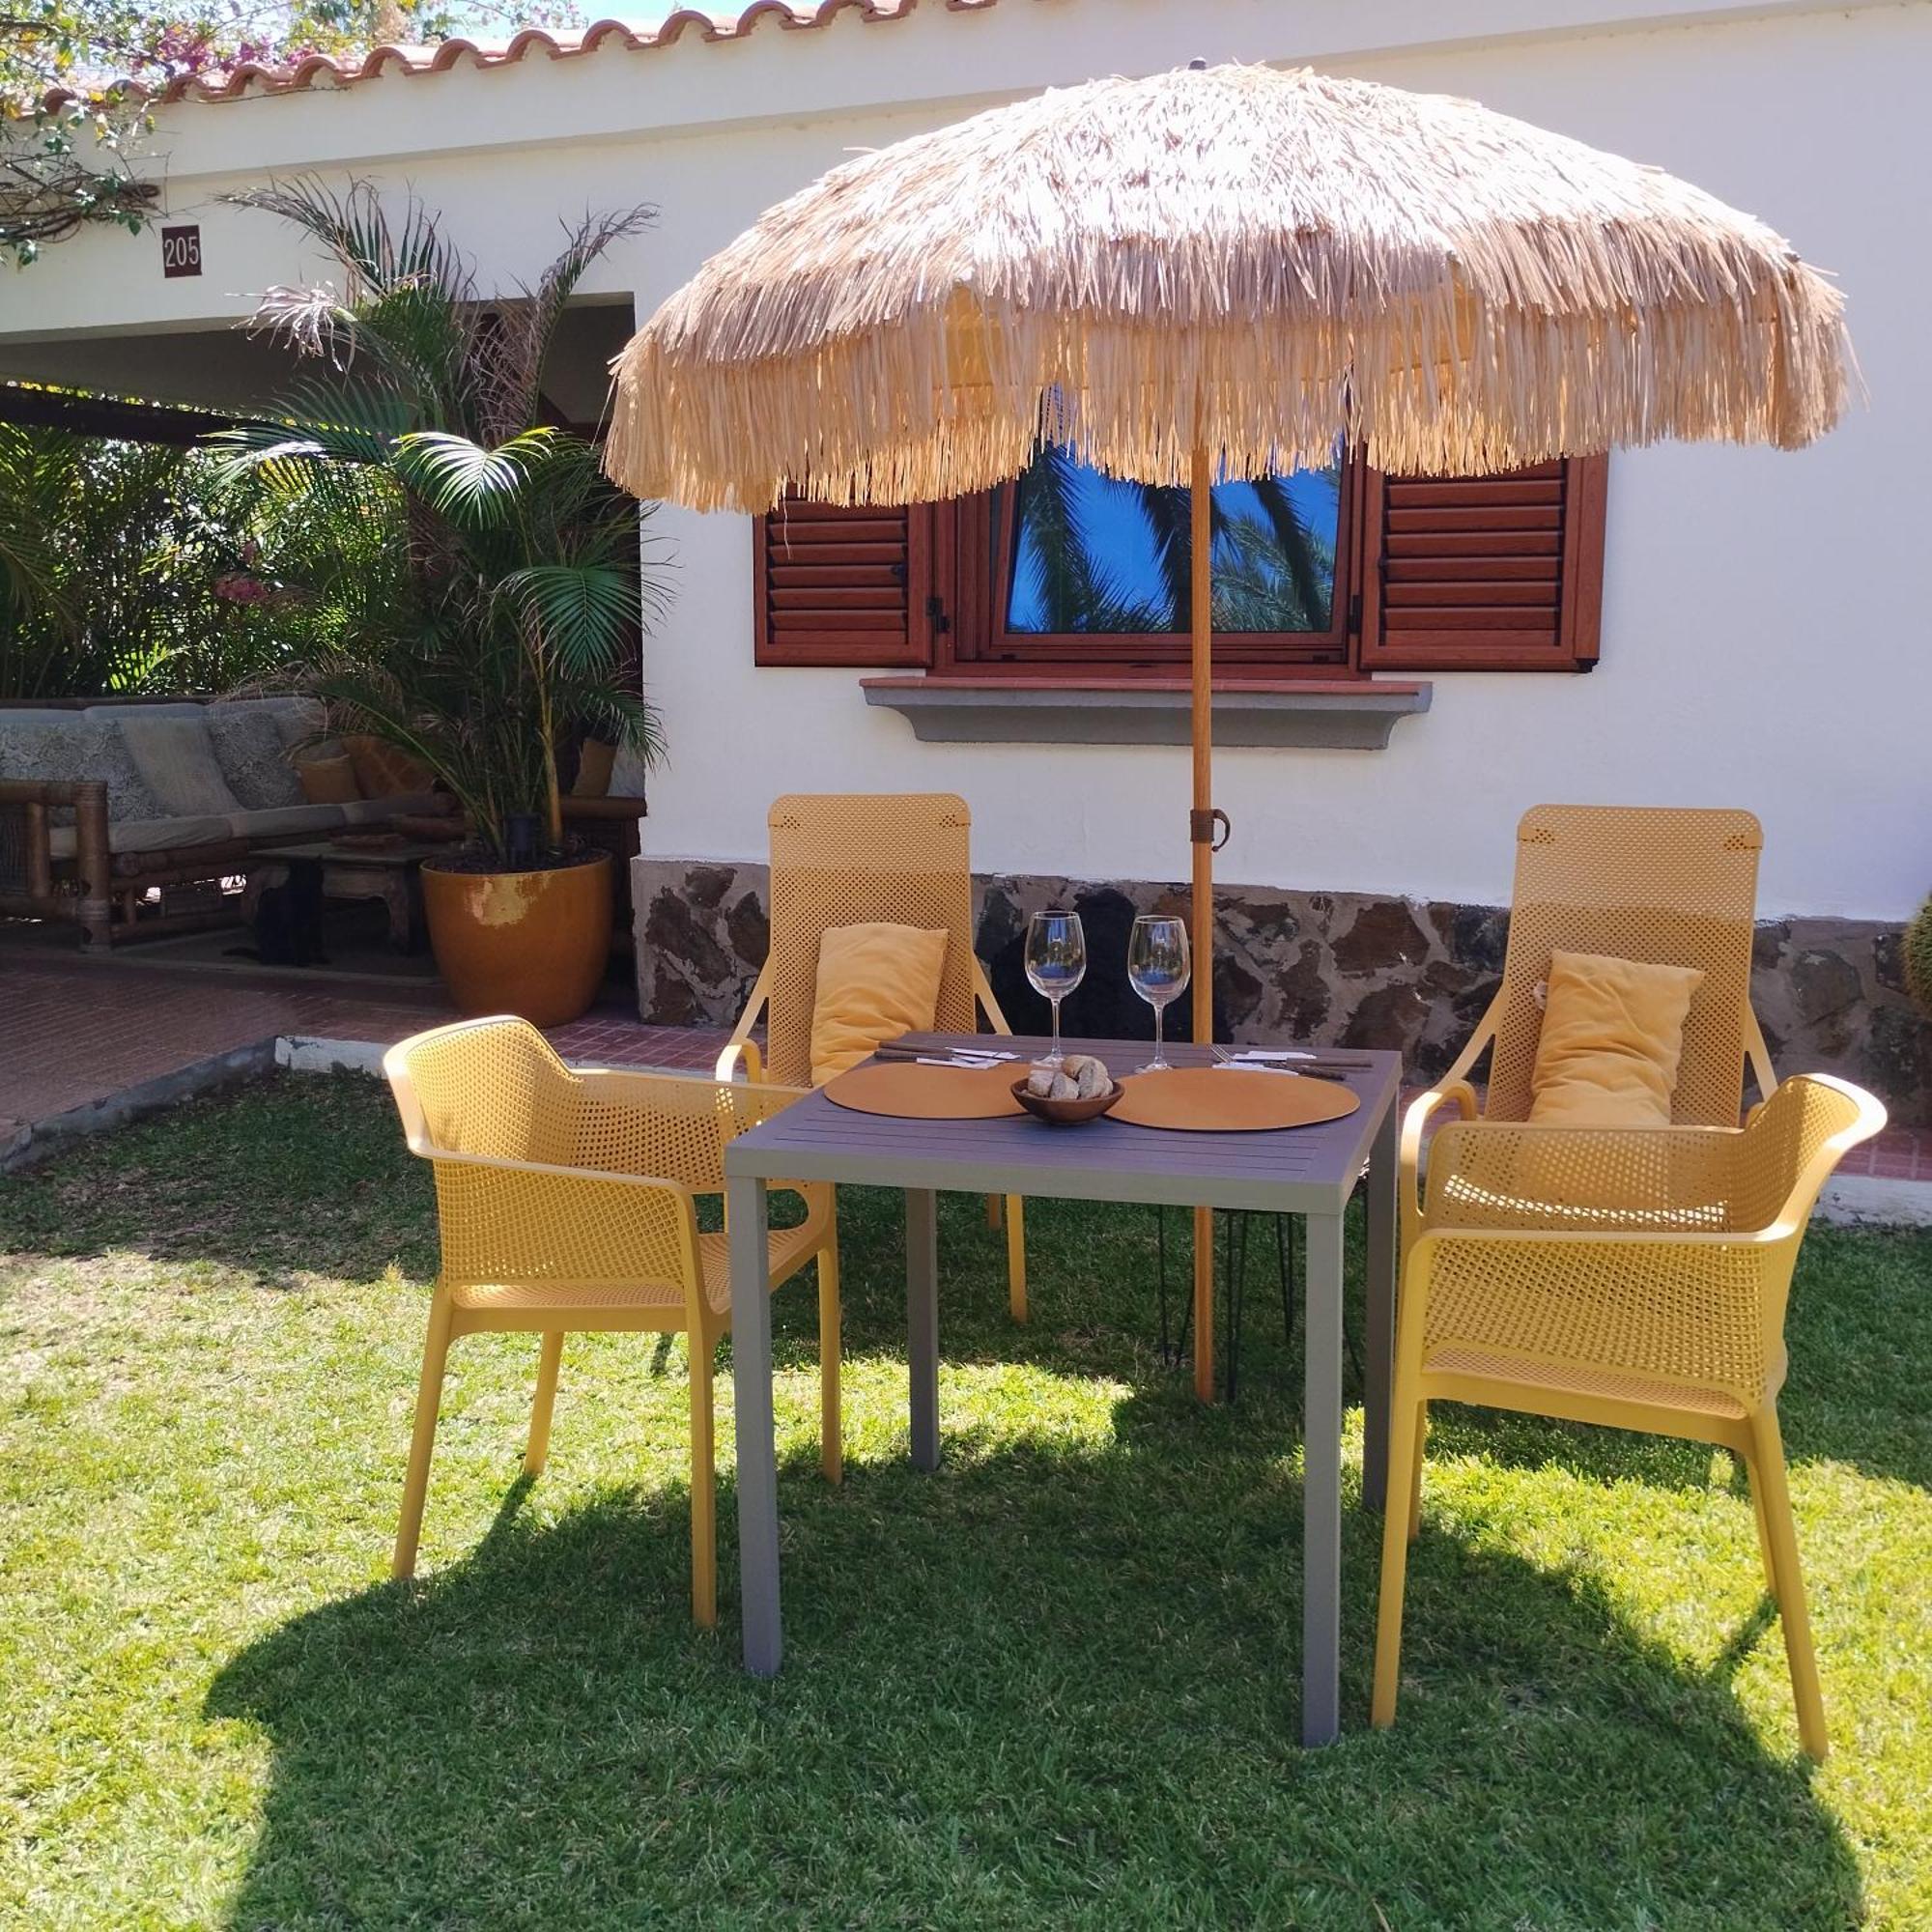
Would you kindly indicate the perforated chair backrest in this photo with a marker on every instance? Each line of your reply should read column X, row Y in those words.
column 488, row 1086
column 1674, row 888
column 852, row 859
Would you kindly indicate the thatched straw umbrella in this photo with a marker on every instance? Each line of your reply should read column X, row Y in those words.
column 1216, row 271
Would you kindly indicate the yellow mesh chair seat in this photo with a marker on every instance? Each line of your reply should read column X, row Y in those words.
column 791, row 1249
column 567, row 1201
column 1635, row 1277
column 547, row 1297
column 1541, row 1380
column 857, row 858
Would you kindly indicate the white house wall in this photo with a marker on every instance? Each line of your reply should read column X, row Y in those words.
column 1765, row 636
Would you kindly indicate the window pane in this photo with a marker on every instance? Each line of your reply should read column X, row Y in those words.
column 1093, row 555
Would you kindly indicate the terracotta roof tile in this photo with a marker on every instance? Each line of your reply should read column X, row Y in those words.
column 252, row 79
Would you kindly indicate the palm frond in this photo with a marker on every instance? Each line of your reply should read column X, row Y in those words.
column 354, row 225
column 517, row 347
column 310, row 321
column 466, row 482
column 1301, row 551
column 581, row 613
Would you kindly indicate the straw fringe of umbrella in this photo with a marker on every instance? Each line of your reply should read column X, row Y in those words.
column 1252, row 261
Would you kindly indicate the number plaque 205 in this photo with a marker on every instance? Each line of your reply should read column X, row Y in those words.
column 180, row 251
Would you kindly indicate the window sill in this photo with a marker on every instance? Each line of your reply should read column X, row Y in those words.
column 1351, row 713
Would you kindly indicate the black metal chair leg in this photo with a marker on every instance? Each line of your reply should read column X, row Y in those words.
column 1186, row 1321
column 1284, row 1242
column 1238, row 1285
column 1168, row 1359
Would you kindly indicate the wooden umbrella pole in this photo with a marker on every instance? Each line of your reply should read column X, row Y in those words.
column 1200, row 831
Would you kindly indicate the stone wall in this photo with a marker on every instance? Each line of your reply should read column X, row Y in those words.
column 1332, row 968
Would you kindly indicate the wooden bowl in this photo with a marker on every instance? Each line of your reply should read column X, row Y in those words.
column 1066, row 1113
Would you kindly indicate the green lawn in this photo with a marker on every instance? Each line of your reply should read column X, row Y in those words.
column 1054, row 1684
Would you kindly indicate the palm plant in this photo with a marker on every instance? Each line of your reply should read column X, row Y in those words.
column 476, row 591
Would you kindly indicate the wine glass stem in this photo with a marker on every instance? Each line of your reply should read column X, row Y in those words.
column 1159, row 1014
column 1055, row 1055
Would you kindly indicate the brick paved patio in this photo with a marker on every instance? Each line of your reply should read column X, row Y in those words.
column 75, row 1033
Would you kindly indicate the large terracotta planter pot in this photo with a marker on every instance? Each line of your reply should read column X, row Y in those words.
column 534, row 944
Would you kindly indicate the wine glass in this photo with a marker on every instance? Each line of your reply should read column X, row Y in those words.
column 1056, row 962
column 1158, row 968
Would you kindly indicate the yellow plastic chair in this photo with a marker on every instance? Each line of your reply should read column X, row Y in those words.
column 849, row 859
column 566, row 1201
column 1671, row 887
column 1633, row 1277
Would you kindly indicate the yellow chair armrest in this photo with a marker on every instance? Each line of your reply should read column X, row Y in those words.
column 1757, row 1057
column 745, row 1051
column 982, row 991
column 1414, row 1125
column 509, row 1221
column 741, row 1046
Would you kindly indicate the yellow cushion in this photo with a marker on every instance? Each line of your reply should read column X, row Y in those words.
column 384, row 770
column 875, row 984
column 1612, row 1034
column 328, row 780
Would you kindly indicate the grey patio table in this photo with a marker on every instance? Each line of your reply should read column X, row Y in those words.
column 1309, row 1171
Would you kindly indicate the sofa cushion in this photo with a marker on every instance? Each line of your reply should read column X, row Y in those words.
column 378, row 810
column 225, row 859
column 253, row 753
column 327, row 780
column 147, row 835
column 59, row 747
column 297, row 719
column 166, row 707
column 382, row 770
column 627, row 773
column 175, row 755
column 295, row 821
column 290, row 821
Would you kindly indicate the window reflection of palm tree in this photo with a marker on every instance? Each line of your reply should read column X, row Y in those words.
column 1272, row 571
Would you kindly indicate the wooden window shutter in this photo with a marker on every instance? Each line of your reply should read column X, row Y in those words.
column 1484, row 573
column 843, row 586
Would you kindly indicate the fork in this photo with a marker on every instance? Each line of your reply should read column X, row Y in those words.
column 1265, row 1060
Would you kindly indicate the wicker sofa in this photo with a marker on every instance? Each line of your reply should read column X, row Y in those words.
column 102, row 804
column 108, row 810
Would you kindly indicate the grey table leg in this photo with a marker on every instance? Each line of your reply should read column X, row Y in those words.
column 1321, row 1488
column 1381, row 1286
column 923, row 1322
column 757, row 1447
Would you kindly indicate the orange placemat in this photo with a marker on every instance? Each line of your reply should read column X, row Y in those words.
column 1229, row 1100
column 909, row 1092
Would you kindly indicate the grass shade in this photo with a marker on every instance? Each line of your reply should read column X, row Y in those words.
column 1054, row 1682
